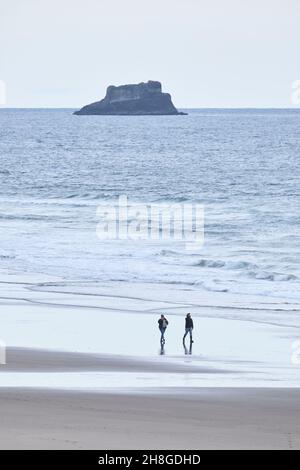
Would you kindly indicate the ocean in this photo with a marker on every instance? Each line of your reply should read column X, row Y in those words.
column 243, row 166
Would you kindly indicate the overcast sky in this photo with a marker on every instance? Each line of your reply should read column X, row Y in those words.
column 206, row 53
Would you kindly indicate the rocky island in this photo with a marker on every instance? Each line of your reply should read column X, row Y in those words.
column 138, row 99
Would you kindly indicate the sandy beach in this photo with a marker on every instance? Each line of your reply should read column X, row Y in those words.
column 157, row 418
column 36, row 360
column 72, row 382
column 193, row 419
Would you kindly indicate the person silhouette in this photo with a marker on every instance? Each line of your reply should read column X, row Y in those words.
column 162, row 325
column 189, row 326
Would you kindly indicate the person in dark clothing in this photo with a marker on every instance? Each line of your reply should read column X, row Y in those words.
column 162, row 325
column 189, row 325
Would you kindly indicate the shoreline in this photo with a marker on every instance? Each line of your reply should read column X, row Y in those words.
column 73, row 380
column 64, row 327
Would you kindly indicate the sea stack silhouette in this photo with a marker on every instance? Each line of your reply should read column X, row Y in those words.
column 136, row 100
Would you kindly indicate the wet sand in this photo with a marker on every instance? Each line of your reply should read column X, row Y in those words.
column 39, row 360
column 45, row 412
column 191, row 419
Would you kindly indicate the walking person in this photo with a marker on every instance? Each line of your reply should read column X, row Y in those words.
column 162, row 325
column 189, row 326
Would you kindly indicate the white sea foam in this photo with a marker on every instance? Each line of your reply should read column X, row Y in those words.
column 55, row 172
